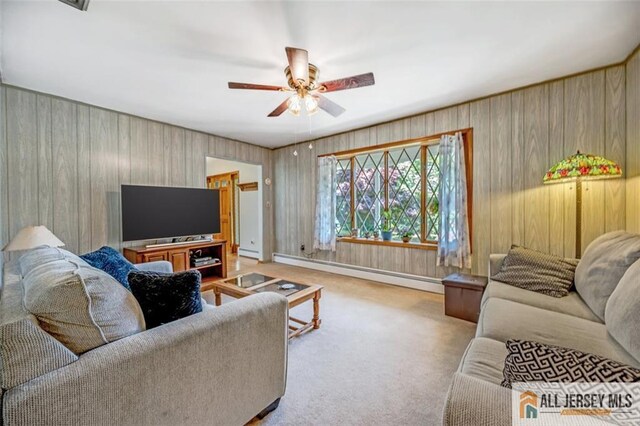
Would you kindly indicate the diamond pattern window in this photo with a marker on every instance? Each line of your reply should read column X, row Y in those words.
column 402, row 178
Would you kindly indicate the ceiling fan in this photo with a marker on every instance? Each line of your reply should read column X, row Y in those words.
column 302, row 80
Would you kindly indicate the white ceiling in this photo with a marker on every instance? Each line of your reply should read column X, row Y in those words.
column 171, row 60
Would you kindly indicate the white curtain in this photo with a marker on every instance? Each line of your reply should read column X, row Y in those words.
column 454, row 248
column 325, row 226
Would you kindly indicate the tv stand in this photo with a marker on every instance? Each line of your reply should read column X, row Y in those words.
column 179, row 254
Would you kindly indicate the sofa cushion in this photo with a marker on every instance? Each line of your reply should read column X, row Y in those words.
column 572, row 304
column 536, row 271
column 604, row 263
column 166, row 297
column 484, row 359
column 504, row 319
column 81, row 306
column 536, row 362
column 112, row 262
column 471, row 401
column 622, row 313
column 27, row 351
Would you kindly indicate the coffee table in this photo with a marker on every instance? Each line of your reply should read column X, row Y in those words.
column 254, row 283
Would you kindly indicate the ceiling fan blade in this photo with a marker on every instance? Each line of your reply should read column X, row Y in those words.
column 330, row 106
column 233, row 85
column 298, row 64
column 353, row 82
column 279, row 110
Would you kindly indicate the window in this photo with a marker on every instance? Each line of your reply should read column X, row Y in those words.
column 401, row 178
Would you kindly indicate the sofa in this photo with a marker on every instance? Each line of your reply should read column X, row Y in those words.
column 224, row 365
column 475, row 396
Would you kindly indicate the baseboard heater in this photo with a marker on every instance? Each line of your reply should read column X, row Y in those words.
column 432, row 285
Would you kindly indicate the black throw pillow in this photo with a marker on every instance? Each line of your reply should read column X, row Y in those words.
column 166, row 297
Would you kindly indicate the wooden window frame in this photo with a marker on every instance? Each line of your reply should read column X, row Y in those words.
column 423, row 142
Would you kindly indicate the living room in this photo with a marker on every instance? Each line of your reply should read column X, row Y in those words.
column 433, row 226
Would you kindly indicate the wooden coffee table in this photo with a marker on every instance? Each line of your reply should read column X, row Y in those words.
column 254, row 283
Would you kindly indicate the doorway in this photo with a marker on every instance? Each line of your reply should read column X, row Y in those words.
column 241, row 210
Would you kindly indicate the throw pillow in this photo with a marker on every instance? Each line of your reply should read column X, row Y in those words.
column 604, row 262
column 166, row 297
column 536, row 271
column 529, row 361
column 81, row 306
column 112, row 262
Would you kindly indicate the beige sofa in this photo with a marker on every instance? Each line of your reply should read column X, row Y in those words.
column 221, row 366
column 475, row 396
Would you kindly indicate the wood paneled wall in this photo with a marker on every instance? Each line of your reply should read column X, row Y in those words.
column 517, row 137
column 633, row 143
column 62, row 164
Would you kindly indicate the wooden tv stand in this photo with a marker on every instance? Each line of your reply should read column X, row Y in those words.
column 180, row 257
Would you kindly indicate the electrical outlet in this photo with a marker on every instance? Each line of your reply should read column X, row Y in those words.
column 301, row 247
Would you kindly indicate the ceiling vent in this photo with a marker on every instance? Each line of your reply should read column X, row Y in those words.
column 78, row 4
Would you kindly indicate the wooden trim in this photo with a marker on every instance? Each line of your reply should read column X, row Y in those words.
column 468, row 158
column 411, row 245
column 423, row 193
column 426, row 140
column 386, row 179
column 249, row 186
column 352, row 195
column 629, row 56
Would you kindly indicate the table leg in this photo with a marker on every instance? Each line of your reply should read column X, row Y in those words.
column 316, row 310
column 218, row 296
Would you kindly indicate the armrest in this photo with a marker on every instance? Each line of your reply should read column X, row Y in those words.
column 220, row 366
column 472, row 401
column 155, row 266
column 495, row 263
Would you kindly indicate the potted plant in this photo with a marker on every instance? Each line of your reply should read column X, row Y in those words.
column 376, row 234
column 434, row 206
column 406, row 236
column 386, row 225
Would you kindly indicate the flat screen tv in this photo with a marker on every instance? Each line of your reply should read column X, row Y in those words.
column 155, row 212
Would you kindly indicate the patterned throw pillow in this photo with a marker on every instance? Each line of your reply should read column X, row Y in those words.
column 166, row 297
column 529, row 361
column 537, row 271
column 112, row 262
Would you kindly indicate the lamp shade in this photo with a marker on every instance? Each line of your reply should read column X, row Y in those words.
column 583, row 166
column 31, row 237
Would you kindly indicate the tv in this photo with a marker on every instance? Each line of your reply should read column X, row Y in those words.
column 155, row 212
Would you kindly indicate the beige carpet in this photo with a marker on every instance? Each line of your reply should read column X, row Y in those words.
column 384, row 355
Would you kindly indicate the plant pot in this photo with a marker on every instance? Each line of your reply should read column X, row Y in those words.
column 386, row 235
column 406, row 239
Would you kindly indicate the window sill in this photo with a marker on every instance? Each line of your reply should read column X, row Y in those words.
column 380, row 242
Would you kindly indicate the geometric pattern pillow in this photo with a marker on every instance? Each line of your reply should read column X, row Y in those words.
column 529, row 361
column 166, row 297
column 112, row 262
column 536, row 271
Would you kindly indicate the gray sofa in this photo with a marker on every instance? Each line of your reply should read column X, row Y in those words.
column 475, row 396
column 224, row 365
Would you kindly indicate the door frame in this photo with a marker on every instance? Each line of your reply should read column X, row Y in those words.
column 233, row 176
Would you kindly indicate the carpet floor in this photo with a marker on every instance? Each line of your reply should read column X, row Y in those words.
column 384, row 355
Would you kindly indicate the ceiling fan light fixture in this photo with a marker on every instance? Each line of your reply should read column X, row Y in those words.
column 311, row 104
column 294, row 105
